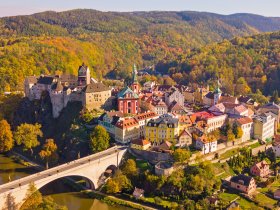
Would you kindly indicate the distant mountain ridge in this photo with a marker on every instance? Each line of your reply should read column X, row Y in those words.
column 46, row 42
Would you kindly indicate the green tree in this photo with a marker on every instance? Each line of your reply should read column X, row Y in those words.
column 10, row 203
column 237, row 131
column 49, row 204
column 242, row 87
column 33, row 198
column 181, row 155
column 99, row 139
column 27, row 135
column 6, row 137
column 48, row 153
column 118, row 183
column 275, row 97
column 129, row 168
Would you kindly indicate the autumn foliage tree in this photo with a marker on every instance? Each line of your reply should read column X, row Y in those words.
column 27, row 135
column 6, row 137
column 130, row 168
column 181, row 155
column 10, row 203
column 99, row 139
column 33, row 198
column 48, row 153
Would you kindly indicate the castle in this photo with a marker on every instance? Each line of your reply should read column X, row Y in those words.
column 66, row 88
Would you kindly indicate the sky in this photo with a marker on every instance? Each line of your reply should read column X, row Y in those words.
column 25, row 7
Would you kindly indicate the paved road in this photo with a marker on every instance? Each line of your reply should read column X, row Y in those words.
column 56, row 170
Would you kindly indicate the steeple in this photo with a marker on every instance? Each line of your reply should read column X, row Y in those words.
column 134, row 74
column 135, row 85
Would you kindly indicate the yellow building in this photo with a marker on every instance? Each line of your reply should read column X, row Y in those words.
column 140, row 144
column 165, row 128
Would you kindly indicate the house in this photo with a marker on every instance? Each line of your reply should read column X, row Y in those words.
column 185, row 139
column 164, row 146
column 243, row 183
column 205, row 144
column 138, row 193
column 208, row 99
column 149, row 85
column 143, row 119
column 276, row 145
column 176, row 108
column 174, row 95
column 140, row 144
column 159, row 107
column 164, row 128
column 260, row 169
column 96, row 96
column 264, row 126
column 126, row 130
column 108, row 120
column 246, row 125
column 184, row 122
column 270, row 107
column 212, row 121
column 276, row 194
column 248, row 102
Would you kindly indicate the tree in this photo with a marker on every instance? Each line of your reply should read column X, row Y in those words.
column 118, row 183
column 33, row 198
column 275, row 97
column 10, row 203
column 6, row 137
column 237, row 131
column 230, row 135
column 99, row 139
column 49, row 204
column 181, row 155
column 242, row 87
column 130, row 168
column 27, row 134
column 48, row 153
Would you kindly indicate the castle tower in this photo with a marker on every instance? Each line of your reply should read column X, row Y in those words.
column 135, row 85
column 217, row 94
column 83, row 75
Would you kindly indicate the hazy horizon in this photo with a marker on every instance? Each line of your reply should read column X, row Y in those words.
column 269, row 8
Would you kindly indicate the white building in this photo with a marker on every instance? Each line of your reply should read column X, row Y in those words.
column 276, row 145
column 246, row 125
column 264, row 126
column 204, row 144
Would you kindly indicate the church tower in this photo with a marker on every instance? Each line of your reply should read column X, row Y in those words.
column 217, row 94
column 83, row 75
column 135, row 85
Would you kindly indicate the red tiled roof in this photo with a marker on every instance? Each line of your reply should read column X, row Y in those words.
column 144, row 116
column 127, row 123
column 141, row 142
column 244, row 120
column 203, row 115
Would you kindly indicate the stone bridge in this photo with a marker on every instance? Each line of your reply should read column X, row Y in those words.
column 91, row 168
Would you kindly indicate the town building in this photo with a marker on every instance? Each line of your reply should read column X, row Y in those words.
column 140, row 144
column 164, row 128
column 243, row 183
column 264, row 126
column 143, row 119
column 109, row 119
column 276, row 145
column 260, row 169
column 185, row 139
column 159, row 107
column 246, row 125
column 174, row 95
column 126, row 130
column 205, row 144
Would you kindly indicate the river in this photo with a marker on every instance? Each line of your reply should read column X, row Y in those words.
column 60, row 192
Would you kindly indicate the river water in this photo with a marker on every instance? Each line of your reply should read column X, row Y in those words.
column 11, row 170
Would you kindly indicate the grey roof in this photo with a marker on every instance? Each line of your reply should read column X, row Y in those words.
column 68, row 78
column 82, row 70
column 210, row 95
column 271, row 106
column 164, row 119
column 46, row 80
column 96, row 87
column 242, row 177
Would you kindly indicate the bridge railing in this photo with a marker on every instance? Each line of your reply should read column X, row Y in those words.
column 55, row 169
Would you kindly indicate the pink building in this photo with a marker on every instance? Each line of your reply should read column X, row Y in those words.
column 243, row 183
column 260, row 169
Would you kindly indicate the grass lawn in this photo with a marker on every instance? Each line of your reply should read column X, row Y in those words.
column 143, row 165
column 253, row 146
column 229, row 153
column 228, row 197
column 222, row 170
column 163, row 203
column 244, row 204
column 263, row 200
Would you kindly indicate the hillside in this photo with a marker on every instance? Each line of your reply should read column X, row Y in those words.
column 254, row 60
column 47, row 42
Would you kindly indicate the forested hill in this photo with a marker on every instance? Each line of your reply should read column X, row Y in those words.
column 251, row 62
column 47, row 42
